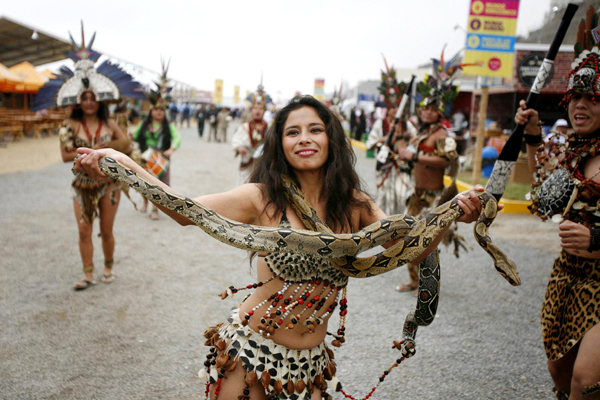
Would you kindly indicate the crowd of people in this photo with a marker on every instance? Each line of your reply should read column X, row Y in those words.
column 296, row 173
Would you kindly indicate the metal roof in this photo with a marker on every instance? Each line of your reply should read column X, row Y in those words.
column 17, row 45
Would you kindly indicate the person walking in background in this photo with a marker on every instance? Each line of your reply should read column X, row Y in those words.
column 223, row 119
column 173, row 111
column 212, row 123
column 186, row 113
column 353, row 122
column 201, row 118
column 361, row 124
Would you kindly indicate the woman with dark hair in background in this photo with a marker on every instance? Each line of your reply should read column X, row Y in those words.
column 156, row 133
column 264, row 347
column 89, row 126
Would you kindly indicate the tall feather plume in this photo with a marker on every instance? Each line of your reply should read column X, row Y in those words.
column 387, row 69
column 82, row 36
column 89, row 46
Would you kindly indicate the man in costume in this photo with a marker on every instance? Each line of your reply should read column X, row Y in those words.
column 336, row 102
column 249, row 136
column 433, row 152
column 567, row 190
column 394, row 182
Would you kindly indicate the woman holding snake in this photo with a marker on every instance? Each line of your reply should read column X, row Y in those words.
column 567, row 189
column 273, row 346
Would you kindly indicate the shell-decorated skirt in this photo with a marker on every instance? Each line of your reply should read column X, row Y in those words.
column 284, row 373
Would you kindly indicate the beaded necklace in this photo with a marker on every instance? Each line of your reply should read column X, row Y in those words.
column 582, row 203
column 256, row 132
column 91, row 139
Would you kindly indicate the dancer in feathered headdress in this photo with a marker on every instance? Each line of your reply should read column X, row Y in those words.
column 394, row 182
column 86, row 90
column 157, row 138
column 107, row 82
column 567, row 190
column 433, row 152
column 248, row 138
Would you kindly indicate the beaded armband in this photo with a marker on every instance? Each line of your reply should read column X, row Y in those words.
column 65, row 135
column 594, row 239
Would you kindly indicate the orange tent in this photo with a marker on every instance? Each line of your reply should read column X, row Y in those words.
column 48, row 74
column 32, row 79
column 8, row 80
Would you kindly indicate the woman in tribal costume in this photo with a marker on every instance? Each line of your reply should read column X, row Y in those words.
column 87, row 90
column 157, row 138
column 272, row 345
column 567, row 190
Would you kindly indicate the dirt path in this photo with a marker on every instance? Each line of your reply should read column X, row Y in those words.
column 29, row 154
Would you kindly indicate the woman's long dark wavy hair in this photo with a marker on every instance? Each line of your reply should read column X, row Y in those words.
column 341, row 183
column 164, row 138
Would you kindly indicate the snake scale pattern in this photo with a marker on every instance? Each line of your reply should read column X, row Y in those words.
column 342, row 250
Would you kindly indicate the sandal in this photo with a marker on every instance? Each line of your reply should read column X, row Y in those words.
column 83, row 284
column 154, row 215
column 407, row 288
column 110, row 278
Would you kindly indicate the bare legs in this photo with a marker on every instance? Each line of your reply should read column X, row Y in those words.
column 579, row 368
column 108, row 212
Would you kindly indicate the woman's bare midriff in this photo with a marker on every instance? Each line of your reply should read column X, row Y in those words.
column 299, row 337
column 428, row 178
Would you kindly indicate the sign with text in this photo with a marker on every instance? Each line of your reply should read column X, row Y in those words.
column 218, row 93
column 491, row 37
column 236, row 95
column 319, row 89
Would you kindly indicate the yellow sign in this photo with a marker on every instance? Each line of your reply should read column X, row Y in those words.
column 491, row 37
column 218, row 94
column 236, row 95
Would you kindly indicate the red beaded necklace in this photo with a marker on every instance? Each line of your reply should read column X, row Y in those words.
column 254, row 125
column 91, row 139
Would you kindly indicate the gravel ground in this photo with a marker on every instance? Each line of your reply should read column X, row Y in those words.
column 141, row 337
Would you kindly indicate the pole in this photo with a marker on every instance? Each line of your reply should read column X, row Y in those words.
column 483, row 105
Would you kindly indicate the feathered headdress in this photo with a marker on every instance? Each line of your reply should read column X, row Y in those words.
column 337, row 95
column 260, row 96
column 390, row 88
column 107, row 82
column 584, row 75
column 438, row 88
column 161, row 97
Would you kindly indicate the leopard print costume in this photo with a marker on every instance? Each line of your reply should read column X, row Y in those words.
column 572, row 303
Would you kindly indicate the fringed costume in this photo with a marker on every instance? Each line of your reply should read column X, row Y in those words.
column 87, row 191
column 562, row 192
column 108, row 82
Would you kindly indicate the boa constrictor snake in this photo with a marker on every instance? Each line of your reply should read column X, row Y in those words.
column 341, row 249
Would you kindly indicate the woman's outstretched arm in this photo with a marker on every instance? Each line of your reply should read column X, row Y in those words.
column 240, row 204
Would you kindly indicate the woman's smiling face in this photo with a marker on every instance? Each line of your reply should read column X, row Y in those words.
column 304, row 140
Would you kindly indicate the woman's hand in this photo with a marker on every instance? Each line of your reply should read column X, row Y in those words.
column 88, row 161
column 574, row 236
column 167, row 153
column 469, row 202
column 529, row 118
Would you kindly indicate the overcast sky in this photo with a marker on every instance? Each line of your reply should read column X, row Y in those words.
column 291, row 42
